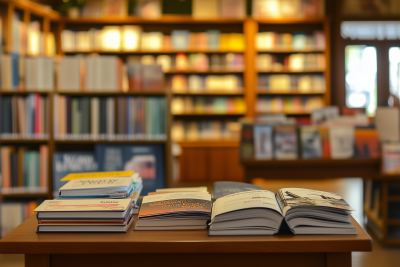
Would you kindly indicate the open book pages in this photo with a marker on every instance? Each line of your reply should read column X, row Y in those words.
column 289, row 198
column 261, row 212
column 85, row 205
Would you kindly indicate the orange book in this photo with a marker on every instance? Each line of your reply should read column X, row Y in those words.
column 326, row 151
column 6, row 166
column 43, row 166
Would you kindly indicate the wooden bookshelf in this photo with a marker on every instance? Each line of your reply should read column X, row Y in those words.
column 291, row 71
column 210, row 93
column 264, row 92
column 162, row 51
column 109, row 141
column 289, row 51
column 130, row 93
column 208, row 114
column 204, row 72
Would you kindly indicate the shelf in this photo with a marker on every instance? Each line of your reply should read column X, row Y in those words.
column 290, row 51
column 209, row 114
column 260, row 92
column 165, row 19
column 24, row 195
column 35, row 8
column 220, row 93
column 285, row 112
column 24, row 141
column 163, row 51
column 308, row 20
column 378, row 222
column 291, row 71
column 204, row 72
column 209, row 143
column 312, row 162
column 110, row 141
column 10, row 92
column 150, row 93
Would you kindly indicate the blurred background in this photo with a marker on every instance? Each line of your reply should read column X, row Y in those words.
column 279, row 93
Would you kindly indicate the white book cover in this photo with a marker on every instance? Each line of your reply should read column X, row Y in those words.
column 341, row 142
column 85, row 205
column 97, row 183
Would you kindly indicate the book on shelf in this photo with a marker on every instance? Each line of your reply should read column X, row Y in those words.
column 148, row 160
column 274, row 139
column 24, row 170
column 296, row 104
column 387, row 121
column 261, row 212
column 98, row 185
column 71, row 162
column 85, row 215
column 92, row 8
column 391, row 157
column 109, row 118
column 115, row 8
column 205, row 130
column 291, row 83
column 285, row 142
column 292, row 63
column 24, row 117
column 290, row 41
column 20, row 73
column 205, row 9
column 208, row 105
column 233, row 9
column 191, row 211
column 265, row 9
column 15, row 213
column 149, row 9
column 222, row 189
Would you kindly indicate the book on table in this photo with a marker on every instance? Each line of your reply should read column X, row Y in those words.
column 85, row 215
column 175, row 211
column 261, row 212
column 221, row 189
column 99, row 185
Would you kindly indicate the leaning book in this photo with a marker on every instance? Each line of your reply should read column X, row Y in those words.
column 296, row 210
column 85, row 215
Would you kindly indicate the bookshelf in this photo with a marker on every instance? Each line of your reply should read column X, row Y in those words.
column 51, row 21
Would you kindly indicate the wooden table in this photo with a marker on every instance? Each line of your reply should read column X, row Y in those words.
column 180, row 248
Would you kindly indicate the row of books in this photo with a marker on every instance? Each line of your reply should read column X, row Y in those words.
column 30, row 40
column 197, row 62
column 285, row 83
column 205, row 130
column 13, row 214
column 107, row 73
column 251, row 210
column 290, row 41
column 150, row 9
column 114, row 196
column 263, row 141
column 19, row 73
column 206, row 83
column 288, row 9
column 132, row 38
column 24, row 117
column 220, row 105
column 24, row 170
column 109, row 118
column 293, row 62
column 288, row 104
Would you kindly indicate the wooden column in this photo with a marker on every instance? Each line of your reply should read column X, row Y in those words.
column 327, row 53
column 250, row 29
column 8, row 28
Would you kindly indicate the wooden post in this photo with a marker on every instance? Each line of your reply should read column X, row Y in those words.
column 327, row 53
column 8, row 28
column 250, row 29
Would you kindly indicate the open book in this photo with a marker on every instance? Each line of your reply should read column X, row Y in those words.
column 261, row 212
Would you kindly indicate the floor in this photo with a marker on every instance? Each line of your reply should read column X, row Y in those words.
column 350, row 189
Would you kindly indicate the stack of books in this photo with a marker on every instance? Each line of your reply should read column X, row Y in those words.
column 92, row 202
column 85, row 215
column 191, row 210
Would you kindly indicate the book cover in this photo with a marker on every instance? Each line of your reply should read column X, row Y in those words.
column 85, row 205
column 391, row 157
column 310, row 142
column 147, row 160
column 175, row 203
column 65, row 163
column 341, row 142
column 366, row 143
column 263, row 141
column 98, row 183
column 285, row 142
column 149, row 9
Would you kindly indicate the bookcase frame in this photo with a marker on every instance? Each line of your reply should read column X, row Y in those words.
column 53, row 21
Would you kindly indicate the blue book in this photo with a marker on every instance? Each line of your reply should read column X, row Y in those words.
column 71, row 162
column 147, row 160
column 14, row 70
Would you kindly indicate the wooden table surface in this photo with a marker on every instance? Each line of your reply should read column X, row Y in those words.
column 25, row 240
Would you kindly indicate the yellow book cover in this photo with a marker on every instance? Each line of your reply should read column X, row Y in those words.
column 93, row 175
